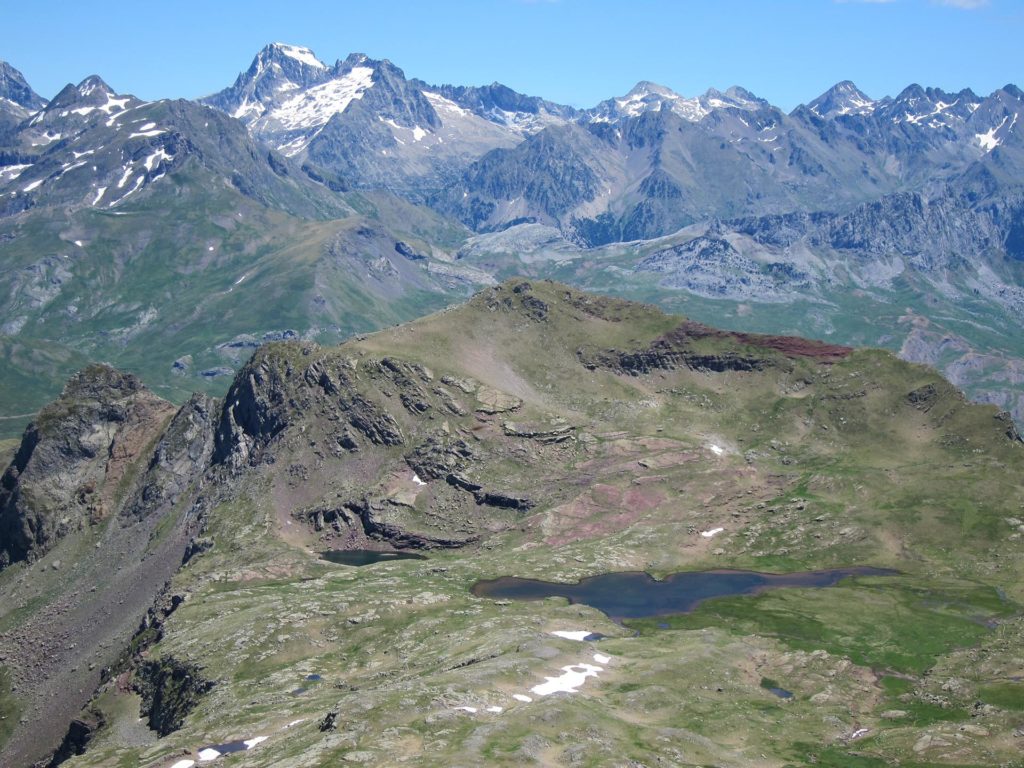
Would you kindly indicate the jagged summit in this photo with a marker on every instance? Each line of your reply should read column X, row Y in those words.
column 734, row 96
column 297, row 53
column 843, row 98
column 15, row 93
column 647, row 96
column 93, row 91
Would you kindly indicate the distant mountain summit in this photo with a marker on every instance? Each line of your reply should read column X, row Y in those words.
column 16, row 96
column 843, row 98
column 646, row 96
column 364, row 121
column 278, row 69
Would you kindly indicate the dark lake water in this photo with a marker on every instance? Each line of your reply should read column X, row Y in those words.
column 637, row 595
column 230, row 747
column 366, row 556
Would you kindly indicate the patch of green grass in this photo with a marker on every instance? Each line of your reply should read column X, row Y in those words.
column 857, row 757
column 920, row 713
column 1003, row 695
column 897, row 626
column 835, row 757
column 9, row 710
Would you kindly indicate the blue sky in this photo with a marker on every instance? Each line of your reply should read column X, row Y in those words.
column 572, row 51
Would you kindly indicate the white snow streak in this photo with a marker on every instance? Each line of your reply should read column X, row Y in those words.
column 572, row 677
column 300, row 54
column 315, row 107
column 159, row 156
column 988, row 140
column 580, row 635
column 11, row 172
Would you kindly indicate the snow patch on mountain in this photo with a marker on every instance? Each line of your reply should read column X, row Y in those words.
column 989, row 140
column 314, row 107
column 300, row 54
column 12, row 172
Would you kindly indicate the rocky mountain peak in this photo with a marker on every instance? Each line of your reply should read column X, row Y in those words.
column 15, row 91
column 733, row 97
column 278, row 71
column 931, row 107
column 647, row 96
column 92, row 86
column 101, row 382
column 648, row 88
column 843, row 98
column 1013, row 91
column 284, row 53
column 355, row 59
column 912, row 94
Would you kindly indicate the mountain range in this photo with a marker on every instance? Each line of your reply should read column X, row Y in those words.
column 317, row 200
column 303, row 370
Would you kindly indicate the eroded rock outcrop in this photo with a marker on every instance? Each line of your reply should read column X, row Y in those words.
column 75, row 460
column 258, row 406
column 170, row 689
column 698, row 347
column 181, row 458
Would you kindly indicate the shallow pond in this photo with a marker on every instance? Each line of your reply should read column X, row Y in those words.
column 637, row 595
column 366, row 556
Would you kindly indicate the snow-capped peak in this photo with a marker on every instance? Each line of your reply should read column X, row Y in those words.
column 646, row 96
column 733, row 97
column 931, row 107
column 299, row 54
column 646, row 88
column 91, row 85
column 843, row 98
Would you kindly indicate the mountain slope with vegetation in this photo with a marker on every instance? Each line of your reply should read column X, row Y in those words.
column 543, row 432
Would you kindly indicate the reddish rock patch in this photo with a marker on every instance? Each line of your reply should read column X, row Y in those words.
column 602, row 510
column 791, row 346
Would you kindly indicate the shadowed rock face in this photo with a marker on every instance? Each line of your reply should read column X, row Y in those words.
column 107, row 448
column 181, row 457
column 73, row 458
column 170, row 689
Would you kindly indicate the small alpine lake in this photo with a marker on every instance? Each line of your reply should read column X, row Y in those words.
column 638, row 595
column 367, row 556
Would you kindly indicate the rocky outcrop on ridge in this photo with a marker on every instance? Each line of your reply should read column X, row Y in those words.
column 75, row 459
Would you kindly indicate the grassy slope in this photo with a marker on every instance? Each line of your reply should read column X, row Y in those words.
column 824, row 466
column 158, row 280
column 878, row 317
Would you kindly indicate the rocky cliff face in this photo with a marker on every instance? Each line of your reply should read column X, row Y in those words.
column 74, row 460
column 114, row 468
column 181, row 457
